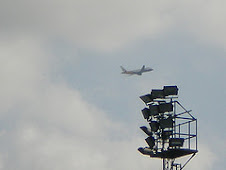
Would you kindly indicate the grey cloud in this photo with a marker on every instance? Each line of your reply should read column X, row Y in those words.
column 109, row 25
column 49, row 125
column 84, row 22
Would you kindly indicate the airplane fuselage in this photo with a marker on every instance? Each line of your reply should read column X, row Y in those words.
column 137, row 72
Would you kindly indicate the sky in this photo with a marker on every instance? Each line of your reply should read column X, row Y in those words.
column 64, row 103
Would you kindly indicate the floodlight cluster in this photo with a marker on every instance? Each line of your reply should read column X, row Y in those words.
column 160, row 94
column 159, row 115
column 172, row 131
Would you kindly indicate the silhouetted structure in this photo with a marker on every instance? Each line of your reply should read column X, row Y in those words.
column 173, row 130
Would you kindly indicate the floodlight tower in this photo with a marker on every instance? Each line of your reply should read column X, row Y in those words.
column 173, row 130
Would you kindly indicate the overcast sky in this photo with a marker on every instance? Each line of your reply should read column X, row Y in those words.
column 64, row 103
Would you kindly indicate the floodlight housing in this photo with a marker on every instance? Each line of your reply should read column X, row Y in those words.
column 157, row 93
column 146, row 113
column 170, row 90
column 145, row 151
column 150, row 141
column 154, row 126
column 165, row 107
column 166, row 134
column 166, row 123
column 146, row 130
column 146, row 98
column 176, row 142
column 154, row 110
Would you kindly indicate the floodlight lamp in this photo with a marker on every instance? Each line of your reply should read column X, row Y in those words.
column 166, row 123
column 166, row 134
column 146, row 130
column 150, row 141
column 170, row 90
column 157, row 93
column 146, row 113
column 176, row 142
column 146, row 98
column 154, row 126
column 145, row 151
column 154, row 110
column 165, row 107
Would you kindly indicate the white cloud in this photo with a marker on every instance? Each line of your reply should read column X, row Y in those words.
column 48, row 125
column 204, row 160
column 20, row 70
column 204, row 20
column 44, row 115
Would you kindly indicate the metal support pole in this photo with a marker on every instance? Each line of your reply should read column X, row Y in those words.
column 163, row 161
column 196, row 141
column 189, row 133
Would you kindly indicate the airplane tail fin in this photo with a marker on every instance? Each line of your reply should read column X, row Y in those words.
column 142, row 69
column 124, row 70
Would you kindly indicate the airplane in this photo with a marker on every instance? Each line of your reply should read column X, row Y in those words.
column 137, row 72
